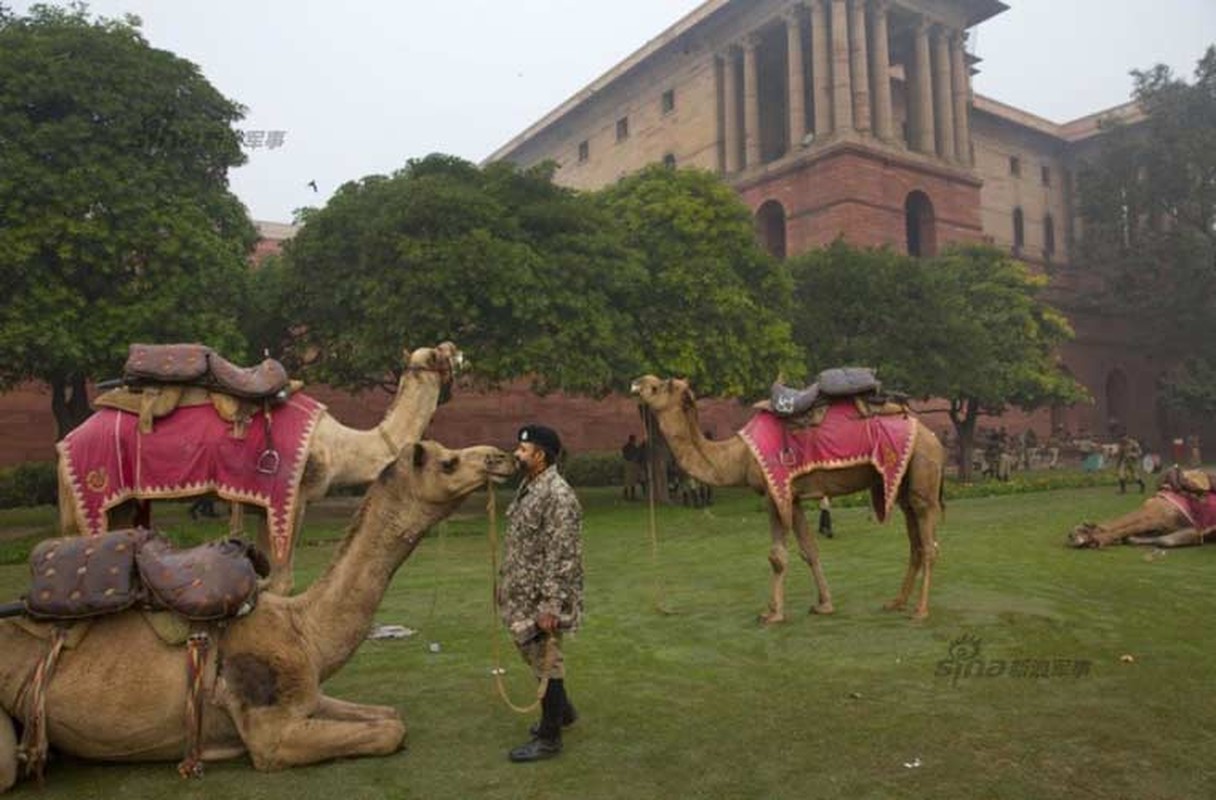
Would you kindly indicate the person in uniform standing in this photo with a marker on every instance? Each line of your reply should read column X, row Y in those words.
column 1127, row 463
column 540, row 583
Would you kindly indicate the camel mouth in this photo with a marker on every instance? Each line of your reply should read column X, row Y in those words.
column 635, row 387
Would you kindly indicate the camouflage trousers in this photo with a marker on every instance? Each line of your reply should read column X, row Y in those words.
column 536, row 654
column 1128, row 470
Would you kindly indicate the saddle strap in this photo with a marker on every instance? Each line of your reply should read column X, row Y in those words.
column 197, row 648
column 34, row 744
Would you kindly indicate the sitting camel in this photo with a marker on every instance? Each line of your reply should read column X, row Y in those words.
column 1181, row 514
column 731, row 462
column 335, row 456
column 120, row 694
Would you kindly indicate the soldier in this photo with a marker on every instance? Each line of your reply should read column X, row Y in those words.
column 541, row 580
column 1127, row 463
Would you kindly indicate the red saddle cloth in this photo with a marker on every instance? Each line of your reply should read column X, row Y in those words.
column 190, row 452
column 1199, row 509
column 843, row 439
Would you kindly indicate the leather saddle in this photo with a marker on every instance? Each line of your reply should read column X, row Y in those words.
column 75, row 577
column 199, row 365
column 786, row 401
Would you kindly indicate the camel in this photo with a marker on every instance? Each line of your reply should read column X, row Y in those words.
column 337, row 455
column 729, row 462
column 1160, row 520
column 120, row 694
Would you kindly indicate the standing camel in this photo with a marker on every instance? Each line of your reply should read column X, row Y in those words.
column 121, row 693
column 336, row 456
column 730, row 462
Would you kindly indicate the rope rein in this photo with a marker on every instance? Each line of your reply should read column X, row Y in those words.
column 650, row 423
column 495, row 638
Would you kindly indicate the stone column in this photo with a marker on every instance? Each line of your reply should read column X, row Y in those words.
column 962, row 97
column 821, row 73
column 797, row 75
column 860, row 65
column 730, row 111
column 921, row 107
column 751, row 102
column 943, row 100
column 842, row 99
column 880, row 69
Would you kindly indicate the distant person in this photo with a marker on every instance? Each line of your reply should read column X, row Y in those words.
column 825, row 517
column 1128, row 464
column 634, row 455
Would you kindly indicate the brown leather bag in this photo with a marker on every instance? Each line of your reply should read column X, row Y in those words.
column 216, row 580
column 85, row 576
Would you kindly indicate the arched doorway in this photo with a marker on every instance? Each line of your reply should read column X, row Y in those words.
column 1117, row 403
column 920, row 224
column 770, row 227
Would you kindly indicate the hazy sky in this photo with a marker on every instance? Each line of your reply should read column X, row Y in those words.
column 360, row 87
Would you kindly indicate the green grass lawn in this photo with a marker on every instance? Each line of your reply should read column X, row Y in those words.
column 703, row 702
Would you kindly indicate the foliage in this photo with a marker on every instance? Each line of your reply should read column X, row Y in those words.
column 968, row 326
column 1148, row 206
column 118, row 222
column 522, row 274
column 594, row 469
column 31, row 484
column 711, row 305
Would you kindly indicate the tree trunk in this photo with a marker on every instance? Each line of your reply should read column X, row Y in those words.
column 964, row 413
column 69, row 402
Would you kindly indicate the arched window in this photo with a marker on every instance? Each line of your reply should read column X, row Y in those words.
column 770, row 227
column 1019, row 229
column 920, row 225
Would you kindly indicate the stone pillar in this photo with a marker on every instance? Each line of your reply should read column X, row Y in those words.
column 842, row 96
column 921, row 106
column 960, row 81
column 880, row 70
column 860, row 65
column 730, row 111
column 797, row 75
column 943, row 100
column 751, row 102
column 821, row 76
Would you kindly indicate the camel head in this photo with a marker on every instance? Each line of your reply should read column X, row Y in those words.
column 433, row 474
column 669, row 395
column 444, row 360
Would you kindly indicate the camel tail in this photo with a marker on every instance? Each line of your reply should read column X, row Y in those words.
column 941, row 492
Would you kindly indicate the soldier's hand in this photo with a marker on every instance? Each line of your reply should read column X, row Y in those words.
column 547, row 622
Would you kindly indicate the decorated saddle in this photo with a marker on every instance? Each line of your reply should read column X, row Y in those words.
column 844, row 437
column 109, row 460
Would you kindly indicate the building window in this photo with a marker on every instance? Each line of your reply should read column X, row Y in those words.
column 584, row 151
column 622, row 129
column 669, row 101
column 1015, row 166
column 669, row 161
column 1019, row 230
column 1049, row 236
column 1046, row 175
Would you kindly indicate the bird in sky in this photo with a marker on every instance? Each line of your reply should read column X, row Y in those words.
column 312, row 184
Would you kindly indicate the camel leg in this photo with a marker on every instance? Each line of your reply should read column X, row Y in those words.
column 778, row 559
column 1187, row 537
column 8, row 752
column 278, row 738
column 333, row 708
column 922, row 509
column 810, row 554
column 1154, row 515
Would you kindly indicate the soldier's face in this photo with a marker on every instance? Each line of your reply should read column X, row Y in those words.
column 530, row 457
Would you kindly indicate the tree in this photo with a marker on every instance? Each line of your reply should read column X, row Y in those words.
column 968, row 327
column 1148, row 206
column 118, row 222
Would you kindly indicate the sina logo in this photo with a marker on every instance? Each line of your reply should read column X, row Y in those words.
column 963, row 660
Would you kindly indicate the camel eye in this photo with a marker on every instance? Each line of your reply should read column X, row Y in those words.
column 449, row 465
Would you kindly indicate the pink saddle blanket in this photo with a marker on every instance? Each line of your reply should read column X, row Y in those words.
column 191, row 452
column 1199, row 509
column 843, row 439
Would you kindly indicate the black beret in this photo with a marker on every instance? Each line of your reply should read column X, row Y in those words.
column 544, row 438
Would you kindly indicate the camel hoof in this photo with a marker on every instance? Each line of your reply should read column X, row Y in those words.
column 920, row 614
column 771, row 618
column 895, row 605
column 823, row 608
column 1083, row 536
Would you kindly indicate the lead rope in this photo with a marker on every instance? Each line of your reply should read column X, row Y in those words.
column 197, row 647
column 550, row 650
column 34, row 744
column 660, row 599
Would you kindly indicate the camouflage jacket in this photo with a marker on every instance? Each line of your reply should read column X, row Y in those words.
column 542, row 565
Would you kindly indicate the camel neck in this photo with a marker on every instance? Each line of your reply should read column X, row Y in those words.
column 718, row 463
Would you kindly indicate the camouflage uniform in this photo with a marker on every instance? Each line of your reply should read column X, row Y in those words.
column 1127, row 463
column 542, row 567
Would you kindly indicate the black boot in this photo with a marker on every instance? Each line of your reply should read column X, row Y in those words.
column 547, row 741
column 1122, row 487
column 825, row 522
column 569, row 714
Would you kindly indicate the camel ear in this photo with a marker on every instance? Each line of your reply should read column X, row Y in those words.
column 419, row 455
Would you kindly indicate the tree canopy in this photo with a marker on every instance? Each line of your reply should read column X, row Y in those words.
column 969, row 327
column 1148, row 206
column 576, row 291
column 118, row 222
